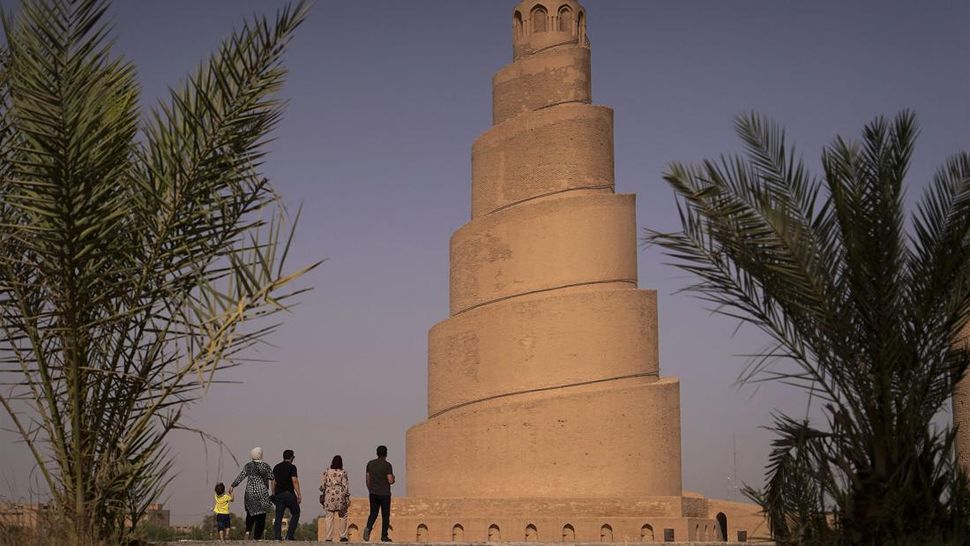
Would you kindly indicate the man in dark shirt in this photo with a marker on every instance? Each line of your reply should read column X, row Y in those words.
column 286, row 495
column 380, row 476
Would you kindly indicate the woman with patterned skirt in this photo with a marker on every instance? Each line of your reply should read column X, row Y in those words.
column 259, row 477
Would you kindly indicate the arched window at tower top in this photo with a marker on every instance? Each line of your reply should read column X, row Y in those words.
column 581, row 29
column 540, row 19
column 564, row 22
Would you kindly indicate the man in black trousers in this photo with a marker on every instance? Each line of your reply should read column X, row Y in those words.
column 380, row 476
column 286, row 495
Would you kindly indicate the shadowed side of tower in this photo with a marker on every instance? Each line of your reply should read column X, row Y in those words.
column 544, row 382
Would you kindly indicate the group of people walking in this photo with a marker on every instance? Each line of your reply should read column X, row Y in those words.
column 283, row 481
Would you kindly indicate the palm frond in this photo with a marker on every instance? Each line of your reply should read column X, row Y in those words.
column 133, row 254
column 866, row 319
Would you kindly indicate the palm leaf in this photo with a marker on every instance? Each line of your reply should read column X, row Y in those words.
column 863, row 316
column 133, row 253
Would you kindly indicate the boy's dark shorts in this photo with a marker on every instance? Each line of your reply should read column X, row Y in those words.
column 222, row 522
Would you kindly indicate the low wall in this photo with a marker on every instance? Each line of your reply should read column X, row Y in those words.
column 249, row 543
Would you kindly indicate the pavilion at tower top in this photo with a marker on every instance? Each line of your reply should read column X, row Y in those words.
column 540, row 24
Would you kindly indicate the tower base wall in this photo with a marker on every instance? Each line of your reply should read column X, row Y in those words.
column 464, row 520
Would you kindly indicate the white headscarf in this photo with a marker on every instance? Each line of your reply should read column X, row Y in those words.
column 256, row 454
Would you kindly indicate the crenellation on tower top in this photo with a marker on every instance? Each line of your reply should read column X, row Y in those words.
column 538, row 25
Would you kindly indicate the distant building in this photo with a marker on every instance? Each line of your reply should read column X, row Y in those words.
column 158, row 515
column 26, row 515
column 20, row 514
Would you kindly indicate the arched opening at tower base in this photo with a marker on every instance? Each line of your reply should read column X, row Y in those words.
column 722, row 526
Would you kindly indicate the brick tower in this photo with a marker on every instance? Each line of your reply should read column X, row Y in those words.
column 548, row 365
column 548, row 419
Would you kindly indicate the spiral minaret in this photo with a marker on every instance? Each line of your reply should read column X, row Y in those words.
column 544, row 381
column 547, row 416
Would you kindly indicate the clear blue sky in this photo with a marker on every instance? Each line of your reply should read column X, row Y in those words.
column 386, row 97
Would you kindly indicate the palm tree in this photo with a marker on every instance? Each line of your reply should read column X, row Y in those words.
column 863, row 315
column 135, row 249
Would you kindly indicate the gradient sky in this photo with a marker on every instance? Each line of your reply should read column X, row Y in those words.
column 386, row 97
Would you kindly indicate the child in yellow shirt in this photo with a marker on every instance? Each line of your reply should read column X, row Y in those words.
column 222, row 511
